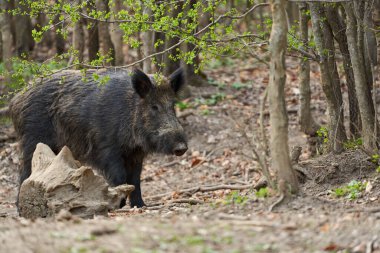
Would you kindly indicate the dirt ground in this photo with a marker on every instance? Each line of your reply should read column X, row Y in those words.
column 219, row 157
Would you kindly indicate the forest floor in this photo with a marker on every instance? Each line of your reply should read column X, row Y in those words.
column 224, row 220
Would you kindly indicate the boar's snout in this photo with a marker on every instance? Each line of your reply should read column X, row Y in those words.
column 180, row 149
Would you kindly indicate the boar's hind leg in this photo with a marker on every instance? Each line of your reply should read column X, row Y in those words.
column 28, row 145
column 134, row 168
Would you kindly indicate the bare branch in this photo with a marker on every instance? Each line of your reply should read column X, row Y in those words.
column 321, row 1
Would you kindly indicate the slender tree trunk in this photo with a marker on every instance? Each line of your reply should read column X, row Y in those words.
column 6, row 36
column 159, row 39
column 147, row 40
column 1, row 41
column 366, row 107
column 23, row 29
column 92, row 33
column 93, row 41
column 292, row 13
column 170, row 65
column 278, row 115
column 307, row 123
column 78, row 39
column 59, row 41
column 192, row 78
column 360, row 9
column 329, row 77
column 105, row 43
column 117, row 34
column 338, row 26
column 376, row 14
column 371, row 51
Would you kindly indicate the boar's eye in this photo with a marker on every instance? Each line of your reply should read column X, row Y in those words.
column 154, row 107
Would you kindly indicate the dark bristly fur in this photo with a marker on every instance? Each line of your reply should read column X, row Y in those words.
column 110, row 127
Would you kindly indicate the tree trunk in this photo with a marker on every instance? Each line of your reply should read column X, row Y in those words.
column 159, row 37
column 23, row 29
column 117, row 34
column 360, row 9
column 6, row 35
column 278, row 115
column 338, row 26
column 329, row 77
column 376, row 14
column 105, row 43
column 192, row 78
column 59, row 41
column 307, row 123
column 147, row 40
column 93, row 41
column 371, row 52
column 78, row 39
column 170, row 65
column 366, row 107
column 292, row 13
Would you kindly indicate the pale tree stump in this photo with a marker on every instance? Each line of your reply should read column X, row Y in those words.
column 59, row 182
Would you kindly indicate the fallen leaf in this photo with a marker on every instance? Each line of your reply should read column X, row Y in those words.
column 331, row 247
column 195, row 161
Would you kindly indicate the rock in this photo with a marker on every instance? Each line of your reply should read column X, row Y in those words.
column 60, row 183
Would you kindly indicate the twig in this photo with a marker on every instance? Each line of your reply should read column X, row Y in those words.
column 207, row 157
column 225, row 216
column 261, row 183
column 204, row 189
column 256, row 224
column 262, row 129
column 255, row 155
column 367, row 210
column 277, row 202
column 160, row 205
column 185, row 114
column 186, row 201
column 169, row 164
column 254, row 55
column 369, row 247
column 321, row 1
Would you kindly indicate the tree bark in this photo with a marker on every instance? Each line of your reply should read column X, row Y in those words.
column 170, row 65
column 93, row 41
column 192, row 78
column 292, row 13
column 78, row 39
column 367, row 111
column 338, row 26
column 6, row 35
column 105, row 44
column 329, row 77
column 23, row 30
column 147, row 40
column 278, row 115
column 307, row 122
column 360, row 9
column 117, row 34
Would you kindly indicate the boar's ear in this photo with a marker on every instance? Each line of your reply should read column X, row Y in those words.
column 141, row 83
column 177, row 80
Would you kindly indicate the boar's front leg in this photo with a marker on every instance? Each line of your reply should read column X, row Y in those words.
column 134, row 164
column 111, row 164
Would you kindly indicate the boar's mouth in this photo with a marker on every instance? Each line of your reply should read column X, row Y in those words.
column 168, row 144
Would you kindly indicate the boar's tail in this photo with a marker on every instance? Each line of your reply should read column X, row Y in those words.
column 4, row 111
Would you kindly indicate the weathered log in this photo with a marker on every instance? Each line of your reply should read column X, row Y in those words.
column 59, row 182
